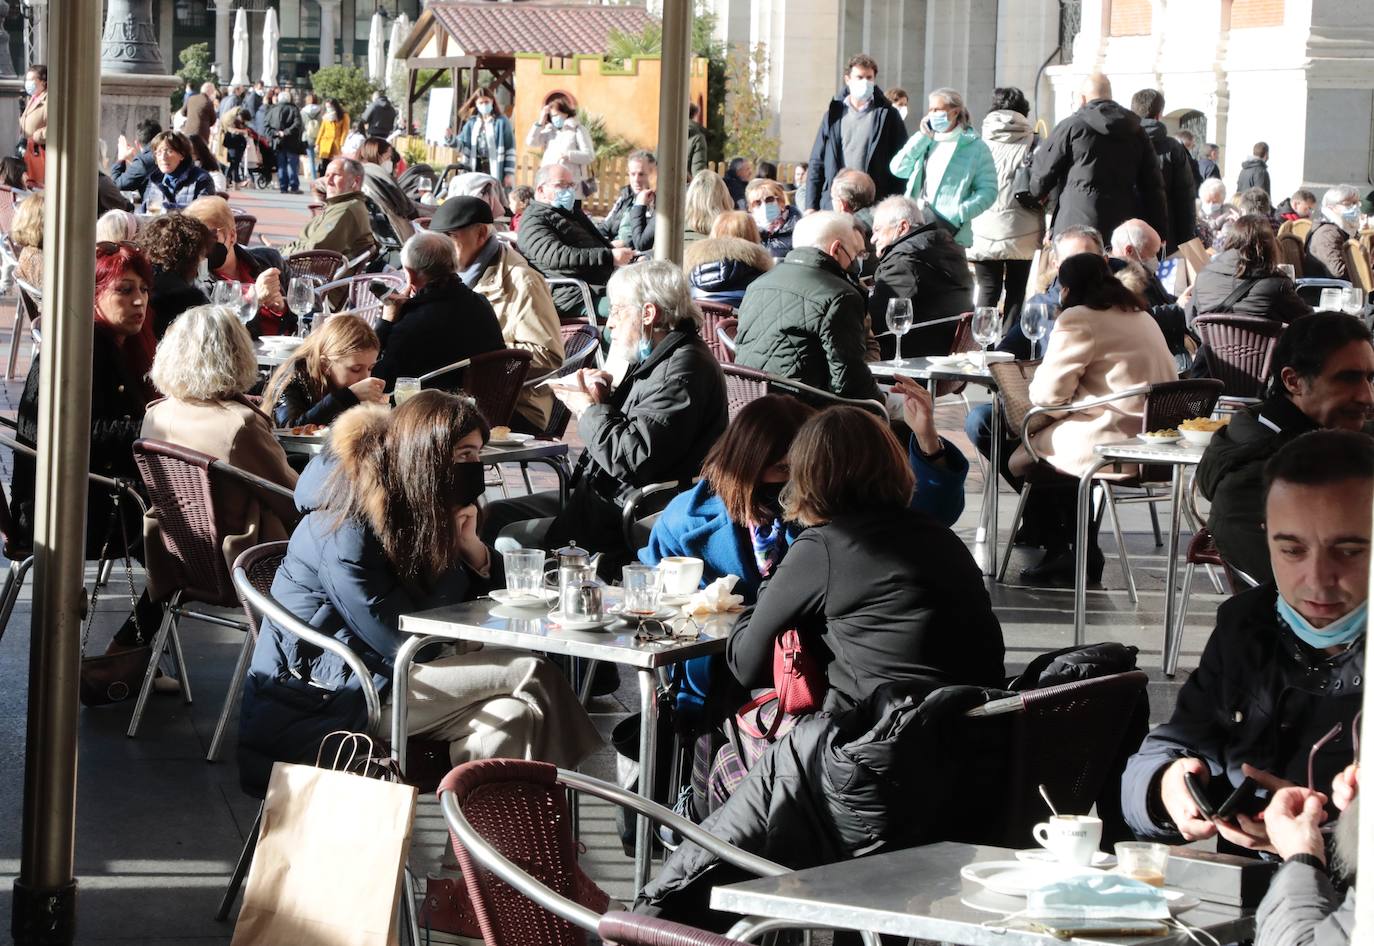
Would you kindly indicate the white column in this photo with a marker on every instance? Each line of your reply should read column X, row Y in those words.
column 223, row 11
column 329, row 9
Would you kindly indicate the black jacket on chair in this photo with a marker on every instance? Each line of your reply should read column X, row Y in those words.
column 565, row 243
column 1180, row 187
column 443, row 323
column 929, row 268
column 1274, row 296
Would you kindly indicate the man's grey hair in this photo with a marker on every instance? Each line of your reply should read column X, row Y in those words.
column 855, row 188
column 1213, row 188
column 541, row 177
column 430, row 255
column 657, row 282
column 286, row 96
column 1340, row 194
column 897, row 208
column 351, row 168
column 208, row 88
column 822, row 228
column 1134, row 233
column 1083, row 232
column 643, row 155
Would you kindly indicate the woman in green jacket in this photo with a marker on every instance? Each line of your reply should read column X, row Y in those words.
column 948, row 167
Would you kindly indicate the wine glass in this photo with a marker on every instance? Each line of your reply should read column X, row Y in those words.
column 226, row 292
column 899, row 317
column 1033, row 319
column 406, row 388
column 153, row 200
column 247, row 304
column 300, row 298
column 1331, row 300
column 987, row 328
column 1352, row 300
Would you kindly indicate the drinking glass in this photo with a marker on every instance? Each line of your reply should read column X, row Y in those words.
column 405, row 389
column 899, row 318
column 301, row 299
column 248, row 303
column 1033, row 319
column 641, row 589
column 225, row 293
column 153, row 200
column 1142, row 860
column 1352, row 300
column 1287, row 270
column 1331, row 300
column 987, row 328
column 524, row 572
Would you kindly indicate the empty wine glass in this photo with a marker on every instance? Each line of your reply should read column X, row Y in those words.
column 1033, row 323
column 1331, row 300
column 1352, row 300
column 248, row 303
column 987, row 328
column 899, row 317
column 300, row 297
column 225, row 292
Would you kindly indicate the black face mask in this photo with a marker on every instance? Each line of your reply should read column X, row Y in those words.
column 467, row 481
column 218, row 254
column 769, row 496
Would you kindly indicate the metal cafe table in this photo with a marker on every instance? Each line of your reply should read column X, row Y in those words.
column 485, row 622
column 919, row 893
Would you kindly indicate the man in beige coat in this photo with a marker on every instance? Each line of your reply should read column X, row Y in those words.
column 517, row 294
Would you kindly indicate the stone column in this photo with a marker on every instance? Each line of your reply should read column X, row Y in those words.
column 328, row 10
column 223, row 12
column 129, row 44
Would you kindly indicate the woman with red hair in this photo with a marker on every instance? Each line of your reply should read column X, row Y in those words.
column 121, row 357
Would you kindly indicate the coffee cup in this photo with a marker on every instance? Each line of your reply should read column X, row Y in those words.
column 1072, row 839
column 681, row 574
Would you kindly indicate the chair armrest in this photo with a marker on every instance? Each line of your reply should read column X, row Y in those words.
column 1139, row 390
column 868, row 404
column 630, row 507
column 725, row 340
column 281, row 500
column 444, row 370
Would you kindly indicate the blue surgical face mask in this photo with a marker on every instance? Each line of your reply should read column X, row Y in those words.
column 765, row 214
column 564, row 199
column 1343, row 630
column 558, row 121
column 939, row 121
column 643, row 350
column 1097, row 896
column 30, row 87
column 484, row 108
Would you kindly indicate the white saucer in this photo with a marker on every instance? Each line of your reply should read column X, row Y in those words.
column 513, row 440
column 674, row 600
column 1101, row 859
column 1018, row 878
column 1146, row 438
column 662, row 614
column 524, row 599
column 556, row 617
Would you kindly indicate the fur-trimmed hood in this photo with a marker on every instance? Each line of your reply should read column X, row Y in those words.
column 714, row 249
column 354, row 434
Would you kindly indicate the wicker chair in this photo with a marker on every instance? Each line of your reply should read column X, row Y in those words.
column 714, row 315
column 181, row 485
column 580, row 345
column 1357, row 266
column 636, row 929
column 29, row 306
column 588, row 301
column 325, row 264
column 742, row 385
column 1291, row 251
column 1298, row 229
column 493, row 379
column 963, row 342
column 1240, row 351
column 244, row 225
column 354, row 295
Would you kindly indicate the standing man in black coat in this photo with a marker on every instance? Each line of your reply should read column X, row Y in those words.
column 1175, row 166
column 560, row 240
column 442, row 321
column 918, row 261
column 860, row 130
column 1207, row 164
column 1102, row 165
column 285, row 127
column 1254, row 170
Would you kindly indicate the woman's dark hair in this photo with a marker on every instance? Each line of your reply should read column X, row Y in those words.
column 1253, row 240
column 1010, row 98
column 40, row 73
column 373, row 150
column 396, row 474
column 176, row 141
column 766, row 169
column 1319, row 457
column 470, row 106
column 758, row 437
column 175, row 243
column 340, row 112
column 844, row 460
column 1308, row 341
column 12, row 171
column 1255, row 201
column 563, row 105
column 1088, row 281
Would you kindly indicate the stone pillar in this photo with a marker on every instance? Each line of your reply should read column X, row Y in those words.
column 961, row 51
column 223, row 11
column 328, row 11
column 129, row 44
column 37, row 50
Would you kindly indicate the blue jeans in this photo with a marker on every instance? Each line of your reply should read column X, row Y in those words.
column 288, row 169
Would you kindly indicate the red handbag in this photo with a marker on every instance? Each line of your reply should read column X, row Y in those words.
column 798, row 687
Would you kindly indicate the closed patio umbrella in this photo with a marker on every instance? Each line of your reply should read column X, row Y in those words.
column 271, row 35
column 240, row 56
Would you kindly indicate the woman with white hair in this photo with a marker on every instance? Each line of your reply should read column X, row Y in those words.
column 204, row 366
column 117, row 226
column 1338, row 222
column 1214, row 214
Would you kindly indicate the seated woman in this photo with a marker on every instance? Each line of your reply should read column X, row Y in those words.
column 330, row 372
column 1103, row 342
column 732, row 520
column 721, row 267
column 1244, row 278
column 121, row 356
column 204, row 366
column 180, row 180
column 27, row 234
column 116, row 225
column 776, row 218
column 393, row 531
column 1214, row 214
column 177, row 246
column 260, row 267
column 378, row 159
column 879, row 591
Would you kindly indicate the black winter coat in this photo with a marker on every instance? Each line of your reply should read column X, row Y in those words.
column 565, row 243
column 284, row 127
column 1259, row 696
column 296, row 405
column 722, row 280
column 929, row 268
column 255, row 260
column 443, row 323
column 1180, row 184
column 1270, row 297
column 1254, row 172
column 171, row 296
column 1103, row 166
column 778, row 242
column 610, row 227
column 886, row 136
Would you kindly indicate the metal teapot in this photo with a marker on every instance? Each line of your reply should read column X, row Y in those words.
column 581, row 600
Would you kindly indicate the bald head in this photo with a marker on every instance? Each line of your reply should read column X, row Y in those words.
column 1137, row 241
column 830, row 232
column 1096, row 86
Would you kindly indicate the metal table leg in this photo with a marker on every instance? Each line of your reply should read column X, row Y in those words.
column 1171, row 573
column 648, row 758
column 987, row 534
column 1080, row 551
column 400, row 687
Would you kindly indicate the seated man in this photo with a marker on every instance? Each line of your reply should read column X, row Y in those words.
column 342, row 225
column 805, row 318
column 1285, row 663
column 918, row 261
column 136, row 164
column 641, row 168
column 437, row 321
column 656, row 425
column 853, row 192
column 1299, row 206
column 560, row 240
column 1337, row 222
column 1322, row 371
column 518, row 295
column 1135, row 241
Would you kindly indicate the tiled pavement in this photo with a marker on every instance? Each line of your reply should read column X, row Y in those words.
column 158, row 828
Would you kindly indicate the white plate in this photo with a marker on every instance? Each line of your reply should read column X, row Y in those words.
column 989, row 902
column 280, row 341
column 1017, row 878
column 1150, row 438
column 524, row 599
column 662, row 614
column 1101, row 859
column 284, row 433
column 674, row 600
column 514, row 440
column 969, row 358
column 556, row 617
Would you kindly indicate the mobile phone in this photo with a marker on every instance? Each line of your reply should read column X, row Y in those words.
column 1219, row 802
column 385, row 292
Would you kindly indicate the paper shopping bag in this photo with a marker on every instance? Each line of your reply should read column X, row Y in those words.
column 329, row 860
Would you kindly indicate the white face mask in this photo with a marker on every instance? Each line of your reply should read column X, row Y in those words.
column 901, row 110
column 1210, row 207
column 860, row 90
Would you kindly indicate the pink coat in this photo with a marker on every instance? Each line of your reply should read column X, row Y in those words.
column 1091, row 353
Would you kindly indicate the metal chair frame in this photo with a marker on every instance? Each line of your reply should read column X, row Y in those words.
column 727, row 341
column 804, row 392
column 588, row 304
column 28, row 305
column 360, row 300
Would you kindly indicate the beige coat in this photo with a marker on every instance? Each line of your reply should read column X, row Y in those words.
column 241, row 435
column 34, row 121
column 1092, row 353
column 525, row 309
